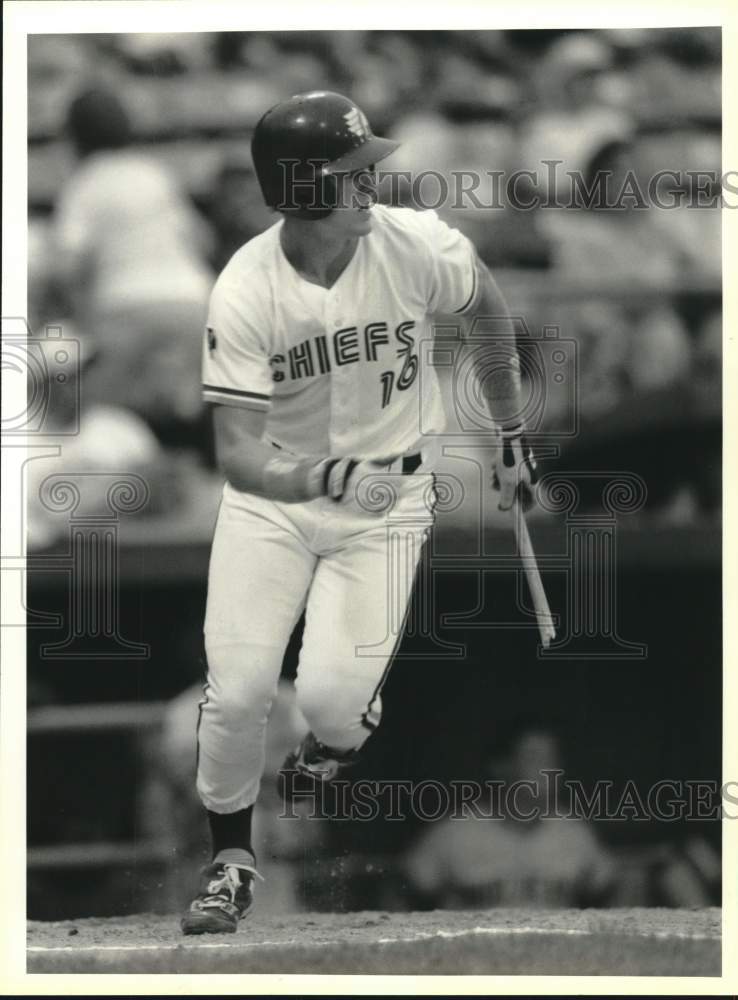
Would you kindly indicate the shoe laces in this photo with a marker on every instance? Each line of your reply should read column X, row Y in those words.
column 230, row 882
column 320, row 761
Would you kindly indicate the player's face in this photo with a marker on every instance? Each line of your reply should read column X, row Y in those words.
column 356, row 196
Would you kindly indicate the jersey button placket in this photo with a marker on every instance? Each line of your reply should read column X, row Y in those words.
column 336, row 309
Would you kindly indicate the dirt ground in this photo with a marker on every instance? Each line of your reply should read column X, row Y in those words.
column 574, row 942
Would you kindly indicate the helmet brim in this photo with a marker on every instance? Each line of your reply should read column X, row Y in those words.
column 371, row 151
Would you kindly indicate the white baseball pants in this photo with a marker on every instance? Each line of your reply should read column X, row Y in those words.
column 352, row 573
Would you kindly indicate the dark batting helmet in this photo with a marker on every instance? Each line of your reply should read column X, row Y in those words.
column 300, row 145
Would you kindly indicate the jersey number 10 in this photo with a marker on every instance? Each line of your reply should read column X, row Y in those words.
column 405, row 379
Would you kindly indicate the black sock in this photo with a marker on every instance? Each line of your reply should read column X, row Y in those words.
column 231, row 830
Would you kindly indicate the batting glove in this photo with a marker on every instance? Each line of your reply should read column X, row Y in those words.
column 516, row 471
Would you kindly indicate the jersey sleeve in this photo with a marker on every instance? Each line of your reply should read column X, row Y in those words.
column 453, row 278
column 235, row 368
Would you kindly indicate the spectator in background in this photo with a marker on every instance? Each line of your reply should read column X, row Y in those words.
column 686, row 874
column 638, row 363
column 235, row 208
column 676, row 72
column 471, row 133
column 164, row 54
column 285, row 61
column 109, row 439
column 572, row 84
column 614, row 240
column 569, row 74
column 58, row 67
column 506, row 861
column 693, row 225
column 634, row 340
column 130, row 252
column 388, row 74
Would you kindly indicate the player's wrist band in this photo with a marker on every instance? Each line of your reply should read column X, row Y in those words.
column 292, row 480
column 327, row 469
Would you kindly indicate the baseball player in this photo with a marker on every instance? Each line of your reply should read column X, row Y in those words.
column 312, row 364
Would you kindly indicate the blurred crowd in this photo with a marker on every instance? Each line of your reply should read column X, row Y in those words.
column 141, row 187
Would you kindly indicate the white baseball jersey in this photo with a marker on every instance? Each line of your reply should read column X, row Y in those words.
column 338, row 370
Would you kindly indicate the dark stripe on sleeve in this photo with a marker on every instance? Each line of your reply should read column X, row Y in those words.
column 473, row 291
column 236, row 393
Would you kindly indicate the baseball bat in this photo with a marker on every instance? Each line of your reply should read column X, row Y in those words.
column 535, row 584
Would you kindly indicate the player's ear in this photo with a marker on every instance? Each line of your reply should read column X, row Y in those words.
column 365, row 181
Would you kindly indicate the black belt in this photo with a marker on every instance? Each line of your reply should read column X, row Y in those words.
column 410, row 463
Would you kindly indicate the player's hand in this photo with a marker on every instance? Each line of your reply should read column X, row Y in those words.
column 359, row 482
column 516, row 470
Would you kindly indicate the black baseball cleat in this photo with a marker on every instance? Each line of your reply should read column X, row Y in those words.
column 311, row 765
column 225, row 895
